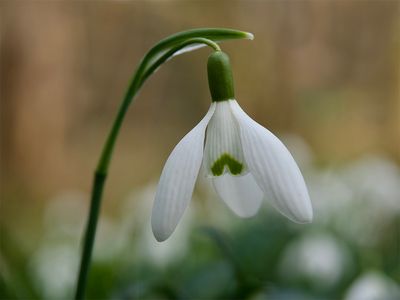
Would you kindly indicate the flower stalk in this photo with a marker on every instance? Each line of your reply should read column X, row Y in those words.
column 167, row 48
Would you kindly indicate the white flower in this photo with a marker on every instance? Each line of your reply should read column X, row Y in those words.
column 373, row 285
column 245, row 163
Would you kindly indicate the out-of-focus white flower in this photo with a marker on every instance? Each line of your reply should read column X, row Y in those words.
column 244, row 161
column 373, row 286
column 360, row 200
column 377, row 180
column 318, row 257
column 53, row 270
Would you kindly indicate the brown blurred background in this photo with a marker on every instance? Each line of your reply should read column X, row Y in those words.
column 328, row 71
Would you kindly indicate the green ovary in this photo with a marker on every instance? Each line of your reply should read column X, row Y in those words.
column 234, row 166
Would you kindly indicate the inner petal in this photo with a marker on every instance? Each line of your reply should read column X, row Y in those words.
column 223, row 149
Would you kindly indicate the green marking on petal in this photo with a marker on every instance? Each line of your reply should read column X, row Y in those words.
column 234, row 166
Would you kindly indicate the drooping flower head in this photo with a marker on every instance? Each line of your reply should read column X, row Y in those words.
column 244, row 161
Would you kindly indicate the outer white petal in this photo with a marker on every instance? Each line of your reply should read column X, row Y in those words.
column 274, row 169
column 177, row 180
column 240, row 193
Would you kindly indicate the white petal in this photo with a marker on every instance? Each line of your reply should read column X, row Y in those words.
column 223, row 150
column 177, row 180
column 273, row 168
column 240, row 193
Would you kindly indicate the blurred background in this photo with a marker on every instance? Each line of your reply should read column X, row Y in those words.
column 324, row 76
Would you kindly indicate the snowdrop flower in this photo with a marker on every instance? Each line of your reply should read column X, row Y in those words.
column 244, row 161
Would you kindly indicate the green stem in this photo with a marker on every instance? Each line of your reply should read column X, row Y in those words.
column 98, row 185
column 159, row 54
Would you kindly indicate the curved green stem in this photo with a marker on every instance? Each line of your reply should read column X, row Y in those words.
column 176, row 49
column 157, row 55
